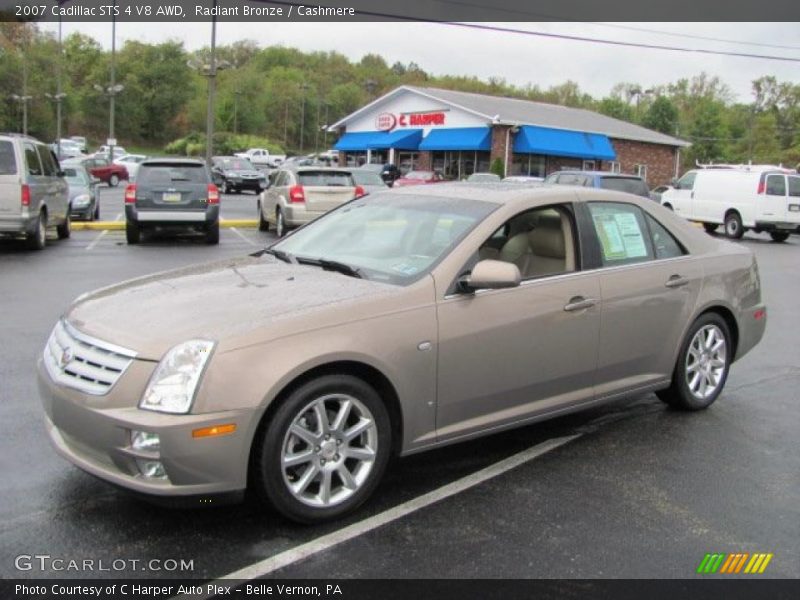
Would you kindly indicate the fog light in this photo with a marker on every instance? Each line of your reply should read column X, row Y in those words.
column 152, row 469
column 145, row 441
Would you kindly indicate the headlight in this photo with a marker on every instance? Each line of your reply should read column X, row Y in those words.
column 173, row 385
column 81, row 200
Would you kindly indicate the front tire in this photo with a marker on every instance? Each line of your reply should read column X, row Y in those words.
column 324, row 450
column 733, row 226
column 703, row 365
column 779, row 236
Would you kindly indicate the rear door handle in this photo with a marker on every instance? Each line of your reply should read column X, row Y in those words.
column 676, row 281
column 579, row 303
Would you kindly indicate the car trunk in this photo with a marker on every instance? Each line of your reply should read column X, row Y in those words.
column 171, row 186
column 325, row 190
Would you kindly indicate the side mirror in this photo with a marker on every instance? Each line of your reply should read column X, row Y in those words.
column 491, row 275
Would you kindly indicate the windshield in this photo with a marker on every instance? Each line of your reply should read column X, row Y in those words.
column 367, row 178
column 388, row 238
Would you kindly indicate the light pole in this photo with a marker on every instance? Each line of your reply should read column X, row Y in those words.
column 58, row 99
column 210, row 70
column 23, row 100
column 111, row 91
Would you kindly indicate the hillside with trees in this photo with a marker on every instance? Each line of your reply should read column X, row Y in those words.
column 281, row 94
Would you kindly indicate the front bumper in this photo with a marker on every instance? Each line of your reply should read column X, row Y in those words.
column 97, row 440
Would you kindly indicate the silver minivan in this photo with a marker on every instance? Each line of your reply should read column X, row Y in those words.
column 33, row 193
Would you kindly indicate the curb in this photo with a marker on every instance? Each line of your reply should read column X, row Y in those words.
column 120, row 225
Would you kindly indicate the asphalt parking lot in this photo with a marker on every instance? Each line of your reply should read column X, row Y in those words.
column 636, row 489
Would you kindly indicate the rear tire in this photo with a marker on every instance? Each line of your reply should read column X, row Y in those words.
column 37, row 239
column 779, row 236
column 133, row 234
column 97, row 210
column 65, row 228
column 341, row 452
column 703, row 364
column 733, row 226
column 710, row 227
column 280, row 224
column 212, row 234
column 113, row 181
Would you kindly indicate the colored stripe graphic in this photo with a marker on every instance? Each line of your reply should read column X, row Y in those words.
column 734, row 563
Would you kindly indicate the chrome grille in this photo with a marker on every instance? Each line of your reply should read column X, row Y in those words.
column 79, row 361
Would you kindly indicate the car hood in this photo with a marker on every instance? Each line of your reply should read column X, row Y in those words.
column 225, row 301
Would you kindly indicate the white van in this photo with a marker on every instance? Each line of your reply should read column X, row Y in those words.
column 757, row 197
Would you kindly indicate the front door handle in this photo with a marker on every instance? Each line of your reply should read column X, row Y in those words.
column 579, row 303
column 676, row 281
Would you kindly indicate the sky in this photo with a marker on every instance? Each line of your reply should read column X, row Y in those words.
column 519, row 59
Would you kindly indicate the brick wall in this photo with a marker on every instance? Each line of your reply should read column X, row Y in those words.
column 424, row 161
column 498, row 150
column 660, row 160
column 560, row 163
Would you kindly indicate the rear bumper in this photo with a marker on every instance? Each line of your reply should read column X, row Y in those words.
column 778, row 225
column 17, row 224
column 209, row 216
column 751, row 329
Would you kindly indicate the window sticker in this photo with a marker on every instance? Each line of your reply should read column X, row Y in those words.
column 620, row 235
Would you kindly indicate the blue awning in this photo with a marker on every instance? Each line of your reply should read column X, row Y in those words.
column 402, row 139
column 463, row 138
column 560, row 142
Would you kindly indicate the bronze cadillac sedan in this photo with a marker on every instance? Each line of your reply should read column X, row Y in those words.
column 394, row 324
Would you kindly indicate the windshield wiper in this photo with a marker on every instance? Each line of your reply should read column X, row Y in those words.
column 281, row 255
column 333, row 265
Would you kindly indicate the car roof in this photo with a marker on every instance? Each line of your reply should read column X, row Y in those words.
column 597, row 173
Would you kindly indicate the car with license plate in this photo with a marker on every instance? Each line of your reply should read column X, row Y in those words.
column 172, row 194
column 299, row 195
column 394, row 324
column 233, row 174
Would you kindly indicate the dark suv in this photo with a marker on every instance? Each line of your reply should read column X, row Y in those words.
column 169, row 193
column 632, row 184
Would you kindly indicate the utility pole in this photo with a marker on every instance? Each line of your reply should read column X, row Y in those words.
column 111, row 141
column 212, row 87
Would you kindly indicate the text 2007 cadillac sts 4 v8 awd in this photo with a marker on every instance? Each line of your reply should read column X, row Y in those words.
column 396, row 323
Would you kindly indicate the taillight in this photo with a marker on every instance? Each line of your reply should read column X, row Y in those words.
column 360, row 191
column 213, row 194
column 26, row 195
column 130, row 194
column 762, row 187
column 296, row 194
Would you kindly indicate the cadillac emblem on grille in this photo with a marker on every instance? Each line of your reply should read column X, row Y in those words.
column 65, row 358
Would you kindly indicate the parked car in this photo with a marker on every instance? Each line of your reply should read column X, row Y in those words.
column 84, row 201
column 82, row 143
column 102, row 152
column 757, row 197
column 261, row 157
column 300, row 195
column 419, row 178
column 378, row 330
column 484, row 178
column 33, row 193
column 233, row 174
column 655, row 193
column 70, row 148
column 631, row 184
column 522, row 179
column 106, row 172
column 369, row 180
column 131, row 162
column 172, row 193
column 389, row 172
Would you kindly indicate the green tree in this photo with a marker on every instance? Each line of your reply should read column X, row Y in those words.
column 615, row 107
column 662, row 115
column 707, row 132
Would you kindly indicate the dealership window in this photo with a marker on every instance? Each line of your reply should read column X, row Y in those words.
column 641, row 171
column 355, row 159
column 589, row 165
column 614, row 166
column 406, row 161
column 529, row 165
column 460, row 164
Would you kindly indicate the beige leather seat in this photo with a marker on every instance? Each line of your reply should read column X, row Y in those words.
column 544, row 250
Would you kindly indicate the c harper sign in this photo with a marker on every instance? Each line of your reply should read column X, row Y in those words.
column 388, row 121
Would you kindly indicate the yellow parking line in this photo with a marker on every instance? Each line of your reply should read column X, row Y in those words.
column 120, row 225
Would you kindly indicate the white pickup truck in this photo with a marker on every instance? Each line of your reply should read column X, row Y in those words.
column 260, row 157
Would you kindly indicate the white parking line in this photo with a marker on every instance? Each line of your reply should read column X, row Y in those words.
column 244, row 237
column 96, row 240
column 118, row 217
column 303, row 551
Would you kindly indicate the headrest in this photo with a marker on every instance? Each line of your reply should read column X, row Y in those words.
column 547, row 240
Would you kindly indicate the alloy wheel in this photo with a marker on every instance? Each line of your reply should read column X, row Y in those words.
column 706, row 360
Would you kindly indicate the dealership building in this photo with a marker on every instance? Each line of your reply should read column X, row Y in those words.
column 460, row 133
